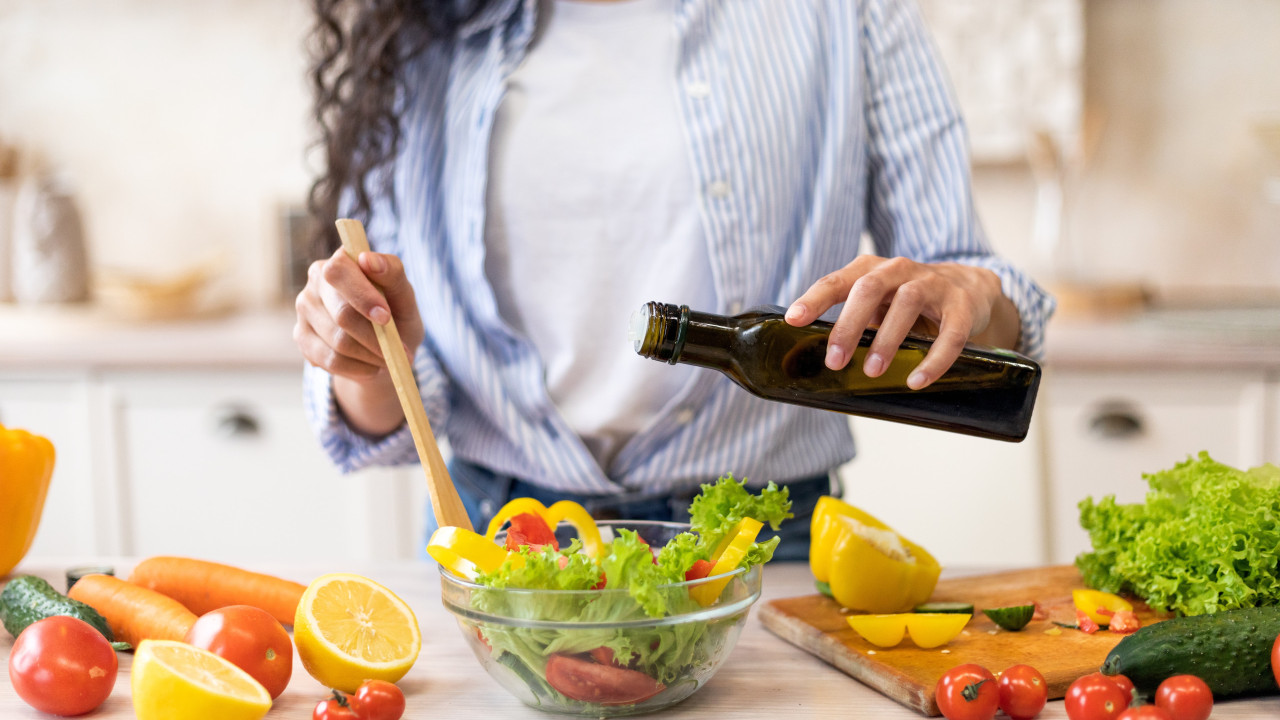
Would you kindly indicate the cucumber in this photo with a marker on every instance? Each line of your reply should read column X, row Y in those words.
column 1013, row 617
column 1230, row 651
column 954, row 608
column 27, row 599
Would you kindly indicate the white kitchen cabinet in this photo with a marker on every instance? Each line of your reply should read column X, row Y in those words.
column 56, row 406
column 970, row 501
column 1107, row 428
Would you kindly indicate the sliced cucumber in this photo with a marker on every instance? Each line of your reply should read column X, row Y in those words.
column 1014, row 617
column 956, row 608
column 824, row 588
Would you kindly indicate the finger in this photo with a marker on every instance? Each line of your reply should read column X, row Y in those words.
column 345, row 276
column 387, row 272
column 868, row 295
column 317, row 352
column 334, row 313
column 908, row 302
column 953, row 333
column 358, row 342
column 830, row 290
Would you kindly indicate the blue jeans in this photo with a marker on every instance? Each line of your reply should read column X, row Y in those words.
column 483, row 493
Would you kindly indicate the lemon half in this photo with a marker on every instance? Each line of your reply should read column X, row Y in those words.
column 349, row 629
column 175, row 681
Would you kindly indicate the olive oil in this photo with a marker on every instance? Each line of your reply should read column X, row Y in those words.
column 987, row 392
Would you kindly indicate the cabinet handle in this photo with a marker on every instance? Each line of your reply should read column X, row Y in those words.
column 1116, row 421
column 233, row 423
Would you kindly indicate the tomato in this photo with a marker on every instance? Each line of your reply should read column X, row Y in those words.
column 967, row 692
column 699, row 570
column 530, row 529
column 1186, row 697
column 252, row 639
column 1125, row 684
column 1023, row 692
column 378, row 700
column 1095, row 697
column 1145, row 712
column 62, row 666
column 581, row 679
column 1275, row 659
column 1124, row 622
column 1085, row 623
column 335, row 708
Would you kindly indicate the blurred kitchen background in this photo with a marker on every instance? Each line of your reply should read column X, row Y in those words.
column 154, row 157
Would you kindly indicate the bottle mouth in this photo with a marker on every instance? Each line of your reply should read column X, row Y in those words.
column 638, row 326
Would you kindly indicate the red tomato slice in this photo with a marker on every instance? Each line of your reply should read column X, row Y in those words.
column 1124, row 622
column 581, row 679
column 1085, row 623
column 530, row 529
column 699, row 570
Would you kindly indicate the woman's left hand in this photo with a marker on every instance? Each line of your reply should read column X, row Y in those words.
column 962, row 301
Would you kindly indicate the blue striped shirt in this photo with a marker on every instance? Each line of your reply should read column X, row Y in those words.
column 810, row 123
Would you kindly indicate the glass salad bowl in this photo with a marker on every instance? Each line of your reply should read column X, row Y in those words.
column 598, row 653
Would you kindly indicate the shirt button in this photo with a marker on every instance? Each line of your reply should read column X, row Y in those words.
column 719, row 189
column 698, row 89
column 685, row 416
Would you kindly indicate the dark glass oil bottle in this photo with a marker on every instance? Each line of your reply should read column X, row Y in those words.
column 987, row 392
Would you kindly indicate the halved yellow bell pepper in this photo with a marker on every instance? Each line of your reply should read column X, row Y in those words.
column 927, row 630
column 26, row 466
column 1098, row 605
column 727, row 556
column 562, row 511
column 465, row 553
column 868, row 565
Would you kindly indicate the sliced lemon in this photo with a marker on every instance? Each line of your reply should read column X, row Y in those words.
column 175, row 681
column 349, row 629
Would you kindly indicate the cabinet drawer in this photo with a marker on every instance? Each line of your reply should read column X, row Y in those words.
column 1108, row 428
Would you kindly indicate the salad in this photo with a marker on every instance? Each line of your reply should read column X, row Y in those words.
column 610, row 617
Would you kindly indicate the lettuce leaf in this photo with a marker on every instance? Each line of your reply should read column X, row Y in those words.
column 719, row 507
column 1207, row 539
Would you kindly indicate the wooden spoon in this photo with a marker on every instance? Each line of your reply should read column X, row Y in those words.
column 444, row 496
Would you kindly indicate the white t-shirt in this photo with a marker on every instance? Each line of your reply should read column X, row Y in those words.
column 592, row 210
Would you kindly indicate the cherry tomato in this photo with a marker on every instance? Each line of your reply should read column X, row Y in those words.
column 1095, row 697
column 62, row 666
column 252, row 639
column 1275, row 659
column 335, row 708
column 378, row 700
column 1023, row 692
column 967, row 692
column 1126, row 685
column 1145, row 712
column 588, row 681
column 530, row 529
column 1186, row 697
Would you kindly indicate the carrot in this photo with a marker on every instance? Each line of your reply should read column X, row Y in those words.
column 134, row 613
column 203, row 586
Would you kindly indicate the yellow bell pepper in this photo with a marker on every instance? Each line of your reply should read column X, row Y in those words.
column 727, row 556
column 927, row 630
column 1098, row 605
column 868, row 566
column 26, row 465
column 465, row 553
column 562, row 511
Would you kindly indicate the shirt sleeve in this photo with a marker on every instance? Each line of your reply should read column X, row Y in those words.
column 350, row 450
column 920, row 200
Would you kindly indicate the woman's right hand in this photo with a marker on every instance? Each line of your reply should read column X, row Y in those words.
column 336, row 311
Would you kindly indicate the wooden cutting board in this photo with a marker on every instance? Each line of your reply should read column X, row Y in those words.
column 909, row 674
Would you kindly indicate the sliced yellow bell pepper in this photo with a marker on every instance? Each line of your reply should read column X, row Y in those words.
column 564, row 510
column 867, row 565
column 1094, row 602
column 927, row 630
column 465, row 553
column 26, row 466
column 727, row 556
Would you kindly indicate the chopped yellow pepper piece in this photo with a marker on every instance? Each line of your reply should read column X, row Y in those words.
column 1094, row 602
column 868, row 566
column 927, row 630
column 564, row 510
column 728, row 555
column 465, row 553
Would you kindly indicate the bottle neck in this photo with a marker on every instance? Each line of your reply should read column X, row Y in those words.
column 676, row 334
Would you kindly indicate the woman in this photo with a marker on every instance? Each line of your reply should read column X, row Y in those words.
column 531, row 171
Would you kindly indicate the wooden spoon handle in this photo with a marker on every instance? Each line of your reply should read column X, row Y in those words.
column 444, row 496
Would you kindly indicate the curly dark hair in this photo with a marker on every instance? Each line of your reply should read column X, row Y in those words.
column 359, row 49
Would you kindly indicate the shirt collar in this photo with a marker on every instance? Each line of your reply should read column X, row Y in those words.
column 494, row 14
